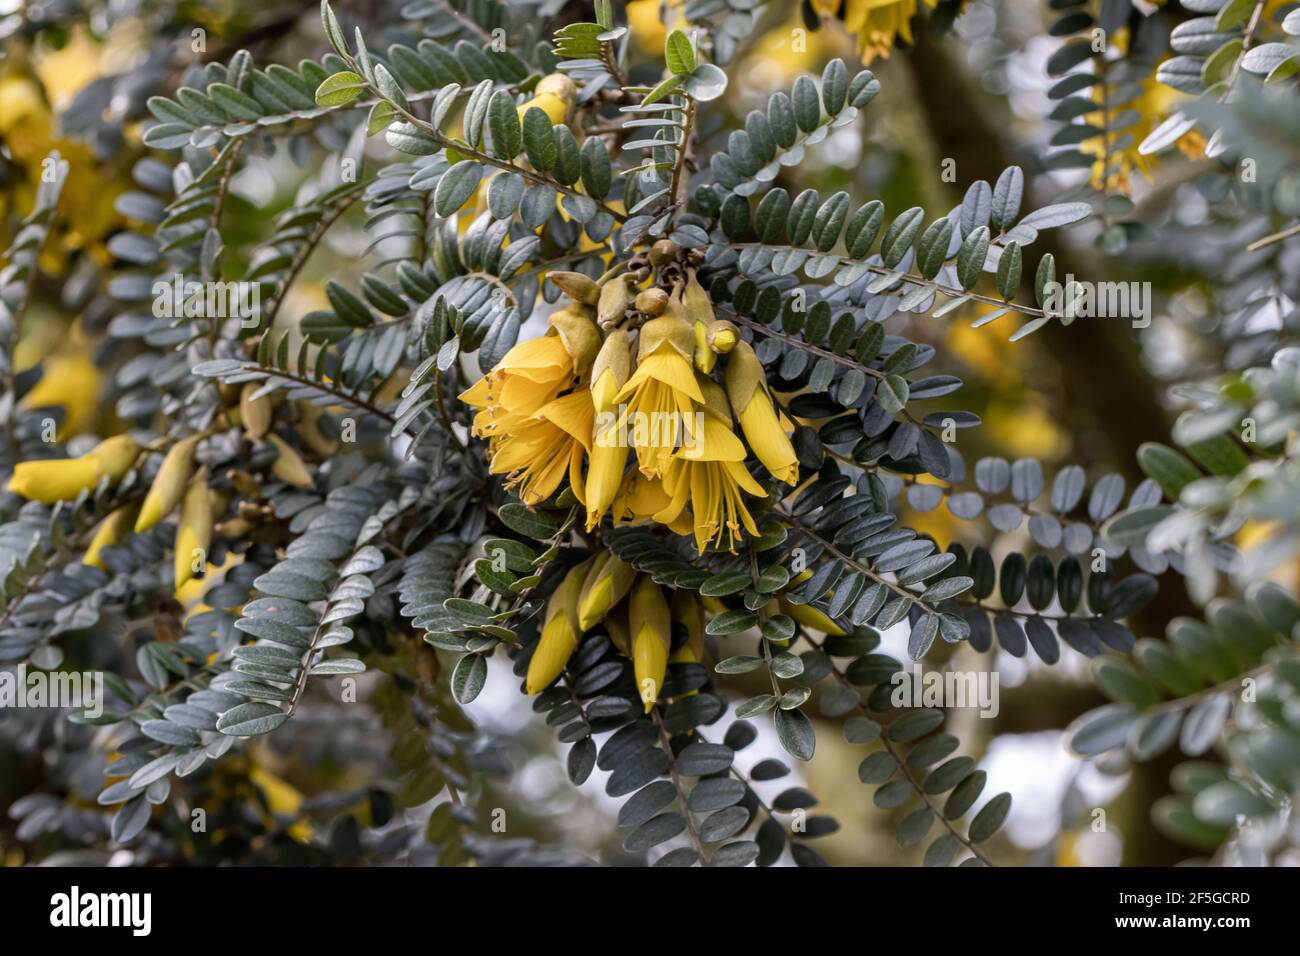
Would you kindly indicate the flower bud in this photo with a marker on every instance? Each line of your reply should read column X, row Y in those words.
column 723, row 336
column 699, row 312
column 554, row 95
column 747, row 390
column 615, row 297
column 607, row 583
column 576, row 286
column 111, row 531
column 611, row 370
column 254, row 412
column 288, row 465
column 169, row 484
column 194, row 533
column 579, row 334
column 663, row 252
column 652, row 301
column 560, row 633
column 114, row 456
column 650, row 625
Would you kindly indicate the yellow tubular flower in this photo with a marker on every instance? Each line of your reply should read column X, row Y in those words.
column 877, row 24
column 168, row 485
column 699, row 312
column 560, row 632
column 609, row 450
column 112, row 530
column 534, row 373
column 659, row 399
column 607, row 583
column 72, row 383
column 538, row 454
column 747, row 390
column 194, row 533
column 650, row 625
column 554, row 95
column 709, row 475
column 61, row 479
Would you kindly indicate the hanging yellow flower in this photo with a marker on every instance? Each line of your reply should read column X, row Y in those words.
column 1116, row 150
column 876, row 24
column 541, row 451
column 609, row 447
column 659, row 400
column 560, row 632
column 747, row 390
column 709, row 476
column 650, row 625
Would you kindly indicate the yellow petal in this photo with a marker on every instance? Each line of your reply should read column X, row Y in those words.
column 168, row 485
column 54, row 480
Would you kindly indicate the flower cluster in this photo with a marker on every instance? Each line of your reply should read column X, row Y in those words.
column 651, row 439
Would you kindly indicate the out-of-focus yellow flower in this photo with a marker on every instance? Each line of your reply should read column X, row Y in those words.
column 194, row 533
column 1025, row 429
column 560, row 631
column 554, row 95
column 709, row 475
column 288, row 465
column 747, row 390
column 648, row 25
column 659, row 400
column 111, row 531
column 1116, row 150
column 650, row 625
column 607, row 583
column 169, row 484
column 61, row 479
column 876, row 24
column 282, row 799
column 72, row 383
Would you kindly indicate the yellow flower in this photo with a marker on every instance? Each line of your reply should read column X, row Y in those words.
column 659, row 400
column 288, row 465
column 194, row 533
column 537, row 455
column 650, row 625
column 553, row 95
column 560, row 632
column 805, row 614
column 710, row 475
column 534, row 373
column 607, row 583
column 169, row 484
column 61, row 479
column 1116, row 150
column 609, row 449
column 877, row 24
column 747, row 390
column 72, row 383
column 112, row 530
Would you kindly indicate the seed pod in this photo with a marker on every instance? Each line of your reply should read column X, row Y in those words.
column 255, row 412
column 288, row 465
column 652, row 301
column 576, row 286
column 615, row 298
column 169, row 484
column 194, row 533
